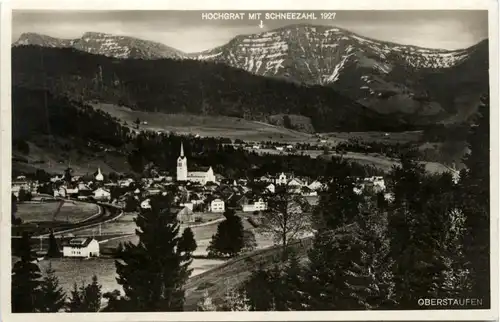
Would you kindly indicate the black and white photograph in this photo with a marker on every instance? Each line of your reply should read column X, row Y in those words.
column 246, row 160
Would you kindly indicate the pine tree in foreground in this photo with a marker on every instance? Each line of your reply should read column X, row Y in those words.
column 475, row 195
column 25, row 280
column 187, row 242
column 153, row 271
column 52, row 297
column 86, row 298
column 229, row 238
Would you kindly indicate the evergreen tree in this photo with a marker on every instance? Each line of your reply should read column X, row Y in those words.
column 419, row 222
column 338, row 205
column 257, row 288
column 86, row 298
column 228, row 240
column 154, row 271
column 52, row 297
column 93, row 295
column 187, row 242
column 25, row 280
column 54, row 250
column 293, row 295
column 475, row 196
column 76, row 300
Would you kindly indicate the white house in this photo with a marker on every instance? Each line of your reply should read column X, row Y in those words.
column 126, row 182
column 315, row 185
column 145, row 204
column 81, row 247
column 217, row 205
column 271, row 188
column 61, row 192
column 102, row 194
column 258, row 205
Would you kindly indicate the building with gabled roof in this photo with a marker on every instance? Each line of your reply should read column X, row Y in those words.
column 81, row 247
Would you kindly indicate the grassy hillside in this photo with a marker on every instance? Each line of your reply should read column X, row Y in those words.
column 204, row 125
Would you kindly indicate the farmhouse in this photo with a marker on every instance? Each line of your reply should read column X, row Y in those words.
column 202, row 176
column 81, row 247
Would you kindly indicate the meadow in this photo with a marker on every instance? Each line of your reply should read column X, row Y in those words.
column 203, row 125
column 71, row 211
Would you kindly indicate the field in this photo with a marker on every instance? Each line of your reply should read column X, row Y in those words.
column 202, row 234
column 71, row 270
column 382, row 137
column 43, row 212
column 210, row 126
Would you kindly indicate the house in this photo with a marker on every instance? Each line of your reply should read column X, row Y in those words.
column 271, row 188
column 19, row 185
column 56, row 178
column 72, row 192
column 217, row 205
column 81, row 247
column 315, row 185
column 258, row 205
column 102, row 194
column 60, row 192
column 145, row 204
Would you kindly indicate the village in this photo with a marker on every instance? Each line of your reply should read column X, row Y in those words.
column 195, row 194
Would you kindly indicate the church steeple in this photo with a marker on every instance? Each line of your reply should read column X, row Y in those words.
column 182, row 171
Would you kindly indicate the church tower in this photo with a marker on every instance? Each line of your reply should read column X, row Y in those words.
column 182, row 169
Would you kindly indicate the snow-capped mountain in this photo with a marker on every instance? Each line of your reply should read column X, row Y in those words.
column 320, row 53
column 386, row 77
column 104, row 44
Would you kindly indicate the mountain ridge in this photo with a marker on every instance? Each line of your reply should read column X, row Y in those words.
column 386, row 77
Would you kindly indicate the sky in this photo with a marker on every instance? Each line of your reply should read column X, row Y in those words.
column 188, row 32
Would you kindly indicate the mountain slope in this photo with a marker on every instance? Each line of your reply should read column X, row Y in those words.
column 187, row 86
column 104, row 44
column 387, row 77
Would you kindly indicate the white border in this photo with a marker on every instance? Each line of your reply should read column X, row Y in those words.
column 5, row 155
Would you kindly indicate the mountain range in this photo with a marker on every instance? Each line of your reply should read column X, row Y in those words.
column 414, row 84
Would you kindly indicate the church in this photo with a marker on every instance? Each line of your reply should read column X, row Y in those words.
column 202, row 176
